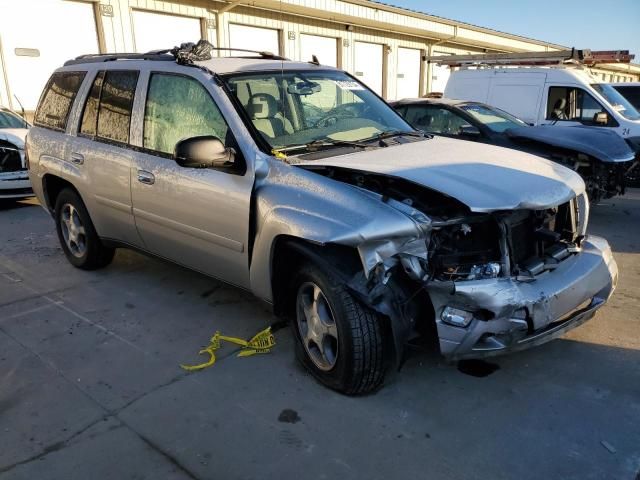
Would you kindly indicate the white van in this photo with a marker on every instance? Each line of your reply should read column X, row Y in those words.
column 561, row 96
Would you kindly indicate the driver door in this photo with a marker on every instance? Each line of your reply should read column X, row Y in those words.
column 570, row 106
column 198, row 217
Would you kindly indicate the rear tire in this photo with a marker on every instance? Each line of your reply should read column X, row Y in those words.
column 339, row 340
column 77, row 235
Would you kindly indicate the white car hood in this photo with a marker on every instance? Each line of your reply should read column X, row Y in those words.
column 15, row 136
column 484, row 177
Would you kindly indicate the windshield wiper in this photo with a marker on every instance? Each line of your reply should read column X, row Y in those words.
column 398, row 133
column 320, row 143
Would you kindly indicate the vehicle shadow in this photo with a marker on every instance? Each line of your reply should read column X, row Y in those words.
column 11, row 204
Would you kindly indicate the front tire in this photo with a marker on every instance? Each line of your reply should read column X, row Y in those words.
column 338, row 340
column 77, row 235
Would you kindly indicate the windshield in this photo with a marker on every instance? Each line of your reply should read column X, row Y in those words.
column 631, row 93
column 617, row 101
column 10, row 120
column 495, row 119
column 293, row 108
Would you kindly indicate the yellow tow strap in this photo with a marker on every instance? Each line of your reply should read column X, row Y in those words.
column 262, row 342
column 279, row 155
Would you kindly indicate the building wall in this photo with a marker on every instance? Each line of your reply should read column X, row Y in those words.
column 44, row 25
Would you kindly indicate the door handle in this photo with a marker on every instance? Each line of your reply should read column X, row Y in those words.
column 77, row 158
column 146, row 177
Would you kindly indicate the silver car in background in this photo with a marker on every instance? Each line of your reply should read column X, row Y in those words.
column 14, row 178
column 295, row 181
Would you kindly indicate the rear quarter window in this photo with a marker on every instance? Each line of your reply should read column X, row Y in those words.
column 57, row 99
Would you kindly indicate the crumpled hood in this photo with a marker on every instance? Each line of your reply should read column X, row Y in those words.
column 605, row 145
column 484, row 177
column 15, row 136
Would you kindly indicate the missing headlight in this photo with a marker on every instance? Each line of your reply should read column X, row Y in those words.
column 466, row 251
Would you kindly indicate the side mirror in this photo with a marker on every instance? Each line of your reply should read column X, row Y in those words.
column 203, row 152
column 601, row 118
column 469, row 131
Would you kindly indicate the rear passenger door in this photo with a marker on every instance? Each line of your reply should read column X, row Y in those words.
column 102, row 150
column 198, row 217
column 48, row 140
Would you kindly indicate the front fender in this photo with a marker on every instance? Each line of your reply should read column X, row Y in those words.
column 301, row 204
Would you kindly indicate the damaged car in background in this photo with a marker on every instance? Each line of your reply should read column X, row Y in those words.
column 295, row 181
column 14, row 178
column 600, row 156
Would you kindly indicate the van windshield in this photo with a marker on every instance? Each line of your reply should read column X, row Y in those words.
column 617, row 101
column 292, row 109
column 631, row 93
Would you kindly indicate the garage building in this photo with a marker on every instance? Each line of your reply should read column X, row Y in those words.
column 380, row 44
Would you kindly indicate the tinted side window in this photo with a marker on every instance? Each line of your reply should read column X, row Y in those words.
column 179, row 107
column 435, row 120
column 116, row 100
column 90, row 113
column 57, row 99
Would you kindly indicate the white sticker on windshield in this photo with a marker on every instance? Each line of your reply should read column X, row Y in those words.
column 349, row 85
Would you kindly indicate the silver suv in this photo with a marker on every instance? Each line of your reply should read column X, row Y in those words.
column 296, row 182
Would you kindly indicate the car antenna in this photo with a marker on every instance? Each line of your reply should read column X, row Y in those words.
column 314, row 60
column 24, row 118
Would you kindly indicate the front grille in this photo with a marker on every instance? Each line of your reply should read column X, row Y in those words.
column 10, row 160
column 534, row 237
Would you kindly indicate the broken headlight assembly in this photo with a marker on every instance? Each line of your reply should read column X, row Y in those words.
column 521, row 243
column 467, row 250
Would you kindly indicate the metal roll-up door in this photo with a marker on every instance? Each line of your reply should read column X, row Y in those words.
column 34, row 44
column 439, row 75
column 325, row 48
column 408, row 73
column 254, row 38
column 156, row 31
column 369, row 64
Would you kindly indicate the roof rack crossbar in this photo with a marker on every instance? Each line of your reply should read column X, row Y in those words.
column 263, row 54
column 576, row 57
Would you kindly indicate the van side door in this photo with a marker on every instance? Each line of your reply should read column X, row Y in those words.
column 102, row 150
column 518, row 93
column 198, row 217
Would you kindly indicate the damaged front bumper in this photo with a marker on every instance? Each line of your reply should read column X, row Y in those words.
column 510, row 315
column 15, row 185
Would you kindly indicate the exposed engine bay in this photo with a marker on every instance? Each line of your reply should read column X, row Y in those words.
column 603, row 180
column 10, row 159
column 463, row 245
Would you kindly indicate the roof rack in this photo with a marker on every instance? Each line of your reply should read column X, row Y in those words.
column 185, row 53
column 110, row 57
column 561, row 57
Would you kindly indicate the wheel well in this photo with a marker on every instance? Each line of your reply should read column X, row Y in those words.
column 52, row 186
column 413, row 302
column 288, row 253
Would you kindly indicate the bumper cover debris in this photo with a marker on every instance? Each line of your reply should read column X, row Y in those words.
column 511, row 315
